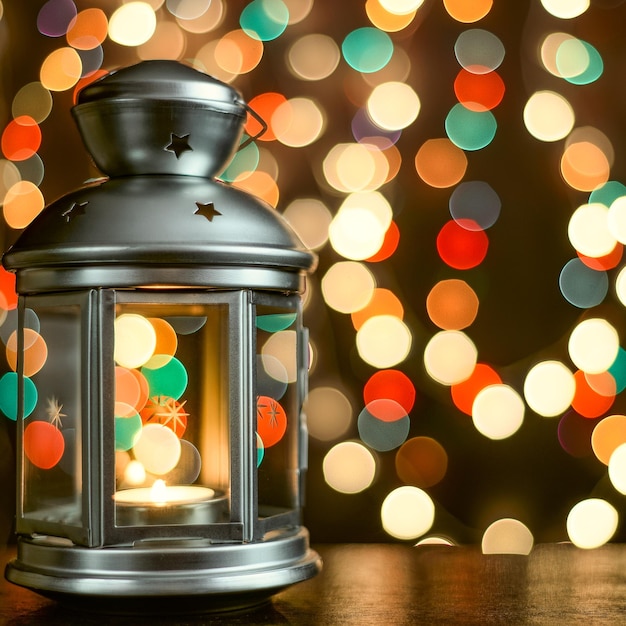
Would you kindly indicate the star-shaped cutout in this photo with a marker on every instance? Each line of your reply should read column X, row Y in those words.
column 77, row 208
column 179, row 144
column 54, row 412
column 206, row 210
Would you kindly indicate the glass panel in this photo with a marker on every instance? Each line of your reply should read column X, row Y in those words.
column 51, row 434
column 277, row 330
column 172, row 436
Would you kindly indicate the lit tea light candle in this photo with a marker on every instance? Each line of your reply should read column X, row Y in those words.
column 169, row 504
column 161, row 494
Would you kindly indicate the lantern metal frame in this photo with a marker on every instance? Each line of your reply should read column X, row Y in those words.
column 148, row 237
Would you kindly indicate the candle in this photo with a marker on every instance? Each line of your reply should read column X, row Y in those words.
column 164, row 504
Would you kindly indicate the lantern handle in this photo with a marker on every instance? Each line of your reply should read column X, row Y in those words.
column 260, row 120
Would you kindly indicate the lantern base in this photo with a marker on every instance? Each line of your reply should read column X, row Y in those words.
column 164, row 577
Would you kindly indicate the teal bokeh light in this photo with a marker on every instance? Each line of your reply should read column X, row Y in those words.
column 8, row 395
column 470, row 130
column 608, row 193
column 170, row 379
column 264, row 19
column 244, row 161
column 367, row 49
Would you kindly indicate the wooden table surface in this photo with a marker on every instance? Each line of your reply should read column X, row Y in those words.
column 391, row 584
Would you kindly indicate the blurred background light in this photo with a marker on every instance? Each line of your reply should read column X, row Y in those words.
column 407, row 512
column 591, row 523
column 507, row 536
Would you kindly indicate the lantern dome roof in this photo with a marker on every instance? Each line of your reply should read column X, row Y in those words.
column 160, row 117
column 160, row 130
column 157, row 230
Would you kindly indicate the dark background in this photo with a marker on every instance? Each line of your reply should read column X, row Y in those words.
column 523, row 318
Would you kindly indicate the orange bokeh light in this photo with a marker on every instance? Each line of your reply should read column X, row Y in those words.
column 264, row 105
column 88, row 29
column 464, row 393
column 587, row 401
column 440, row 163
column 21, row 138
column 383, row 302
column 393, row 385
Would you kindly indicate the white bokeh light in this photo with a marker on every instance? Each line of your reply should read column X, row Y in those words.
column 565, row 9
column 407, row 513
column 450, row 357
column 498, row 411
column 588, row 230
column 593, row 345
column 591, row 523
column 548, row 116
column 383, row 341
column 549, row 388
column 617, row 468
column 349, row 467
column 507, row 536
column 132, row 24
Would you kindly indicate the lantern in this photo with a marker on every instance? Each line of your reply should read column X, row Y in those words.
column 160, row 364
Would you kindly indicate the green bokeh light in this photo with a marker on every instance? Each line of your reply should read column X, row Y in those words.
column 169, row 380
column 367, row 49
column 8, row 395
column 470, row 130
column 264, row 19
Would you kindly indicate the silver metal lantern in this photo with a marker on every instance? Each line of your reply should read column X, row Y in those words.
column 161, row 365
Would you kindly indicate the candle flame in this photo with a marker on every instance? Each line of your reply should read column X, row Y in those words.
column 158, row 492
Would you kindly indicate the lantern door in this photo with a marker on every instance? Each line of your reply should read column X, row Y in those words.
column 177, row 454
column 54, row 408
column 281, row 347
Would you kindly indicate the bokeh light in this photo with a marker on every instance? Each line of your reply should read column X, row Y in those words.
column 617, row 468
column 593, row 345
column 450, row 357
column 582, row 286
column 549, row 388
column 55, row 17
column 384, row 341
column 475, row 205
column 608, row 435
column 440, row 163
column 157, row 448
column 367, row 49
column 132, row 24
column 135, row 340
column 22, row 203
column 310, row 218
column 548, row 116
column 348, row 286
column 461, row 244
column 565, row 9
column 328, row 412
column 393, row 105
column 392, row 384
column 298, row 122
column 479, row 51
column 507, row 536
column 264, row 19
column 588, row 230
column 477, row 91
column 470, row 130
column 421, row 462
column 452, row 304
column 382, row 302
column 468, row 12
column 591, row 523
column 464, row 393
column 349, row 467
column 498, row 411
column 313, row 57
column 407, row 513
